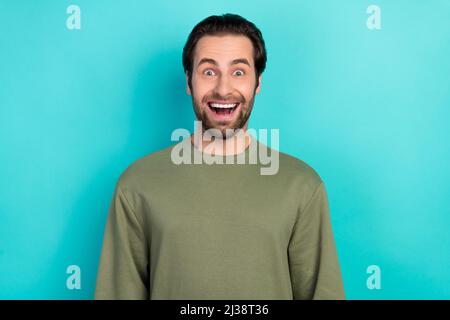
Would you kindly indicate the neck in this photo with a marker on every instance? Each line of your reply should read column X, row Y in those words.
column 236, row 144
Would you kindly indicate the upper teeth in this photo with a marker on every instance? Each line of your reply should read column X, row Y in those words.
column 219, row 105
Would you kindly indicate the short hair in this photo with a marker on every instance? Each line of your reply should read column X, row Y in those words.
column 225, row 24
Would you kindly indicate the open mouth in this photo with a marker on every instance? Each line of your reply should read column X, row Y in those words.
column 223, row 108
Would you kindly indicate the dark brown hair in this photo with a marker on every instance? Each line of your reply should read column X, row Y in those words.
column 225, row 24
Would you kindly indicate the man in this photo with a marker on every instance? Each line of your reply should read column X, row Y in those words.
column 219, row 231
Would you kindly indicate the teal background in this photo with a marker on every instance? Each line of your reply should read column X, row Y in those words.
column 367, row 109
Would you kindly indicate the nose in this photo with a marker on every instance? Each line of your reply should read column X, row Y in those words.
column 224, row 86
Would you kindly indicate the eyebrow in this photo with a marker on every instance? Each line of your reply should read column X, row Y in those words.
column 214, row 62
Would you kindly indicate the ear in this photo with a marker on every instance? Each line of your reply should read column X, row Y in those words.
column 259, row 84
column 188, row 90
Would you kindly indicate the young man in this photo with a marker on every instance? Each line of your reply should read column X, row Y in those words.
column 211, row 229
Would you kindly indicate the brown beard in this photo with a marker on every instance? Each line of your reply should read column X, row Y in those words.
column 230, row 130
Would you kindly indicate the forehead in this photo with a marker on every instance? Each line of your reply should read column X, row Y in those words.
column 224, row 48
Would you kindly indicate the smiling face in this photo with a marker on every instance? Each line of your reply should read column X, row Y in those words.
column 223, row 83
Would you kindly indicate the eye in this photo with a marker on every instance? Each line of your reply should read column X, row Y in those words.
column 209, row 72
column 238, row 73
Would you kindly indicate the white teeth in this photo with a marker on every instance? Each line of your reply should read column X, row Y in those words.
column 227, row 106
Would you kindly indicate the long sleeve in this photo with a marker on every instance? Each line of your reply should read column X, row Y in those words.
column 123, row 268
column 313, row 262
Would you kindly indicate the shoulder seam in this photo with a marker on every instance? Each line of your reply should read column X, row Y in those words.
column 131, row 209
column 300, row 212
column 312, row 197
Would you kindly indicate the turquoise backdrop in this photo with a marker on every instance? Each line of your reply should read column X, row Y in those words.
column 368, row 109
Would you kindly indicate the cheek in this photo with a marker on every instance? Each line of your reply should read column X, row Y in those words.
column 246, row 89
column 246, row 85
column 201, row 88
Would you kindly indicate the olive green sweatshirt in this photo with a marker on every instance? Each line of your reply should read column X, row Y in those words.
column 218, row 231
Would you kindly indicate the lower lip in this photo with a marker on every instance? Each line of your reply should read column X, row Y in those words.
column 222, row 116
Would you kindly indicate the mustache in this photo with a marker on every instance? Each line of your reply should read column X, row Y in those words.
column 218, row 98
